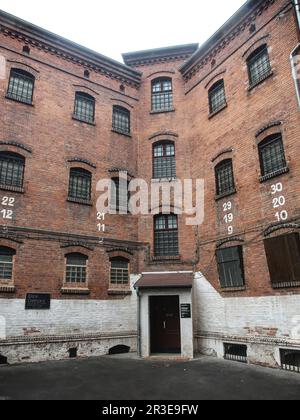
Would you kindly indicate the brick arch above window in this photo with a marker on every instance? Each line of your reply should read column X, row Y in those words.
column 161, row 74
column 120, row 252
column 74, row 161
column 122, row 103
column 268, row 129
column 164, row 135
column 220, row 155
column 14, row 146
column 289, row 227
column 84, row 89
column 254, row 46
column 23, row 66
column 215, row 79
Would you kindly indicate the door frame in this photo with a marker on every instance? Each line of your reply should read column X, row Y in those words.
column 173, row 296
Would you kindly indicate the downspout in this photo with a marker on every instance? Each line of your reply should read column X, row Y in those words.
column 139, row 348
column 294, row 61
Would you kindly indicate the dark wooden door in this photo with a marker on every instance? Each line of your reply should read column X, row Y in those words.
column 165, row 324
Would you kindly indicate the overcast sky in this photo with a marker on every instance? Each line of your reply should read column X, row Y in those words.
column 112, row 27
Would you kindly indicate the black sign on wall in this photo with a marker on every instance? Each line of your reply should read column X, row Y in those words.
column 38, row 301
column 186, row 311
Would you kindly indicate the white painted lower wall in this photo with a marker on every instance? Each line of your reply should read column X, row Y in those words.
column 265, row 324
column 47, row 335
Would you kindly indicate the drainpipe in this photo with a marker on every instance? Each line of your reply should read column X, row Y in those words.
column 139, row 348
column 294, row 63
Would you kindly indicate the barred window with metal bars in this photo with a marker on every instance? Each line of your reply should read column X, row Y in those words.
column 164, row 162
column 80, row 185
column 6, row 263
column 20, row 87
column 290, row 360
column 272, row 156
column 119, row 271
column 162, row 95
column 166, row 236
column 259, row 66
column 84, row 107
column 76, row 268
column 236, row 352
column 231, row 267
column 225, row 177
column 121, row 120
column 217, row 98
column 11, row 169
column 283, row 257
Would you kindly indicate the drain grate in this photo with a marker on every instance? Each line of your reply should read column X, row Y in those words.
column 290, row 360
column 236, row 352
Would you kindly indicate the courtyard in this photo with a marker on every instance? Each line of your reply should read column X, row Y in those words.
column 128, row 378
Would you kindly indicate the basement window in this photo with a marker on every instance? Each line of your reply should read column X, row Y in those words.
column 119, row 350
column 3, row 360
column 73, row 353
column 236, row 352
column 290, row 360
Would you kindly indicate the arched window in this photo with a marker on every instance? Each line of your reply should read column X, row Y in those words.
column 271, row 154
column 121, row 120
column 20, row 87
column 162, row 94
column 164, row 161
column 119, row 271
column 80, row 185
column 166, row 235
column 76, row 268
column 224, row 177
column 11, row 169
column 6, row 263
column 84, row 107
column 217, row 98
column 259, row 66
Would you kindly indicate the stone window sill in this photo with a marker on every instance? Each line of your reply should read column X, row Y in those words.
column 19, row 101
column 166, row 258
column 78, row 201
column 265, row 77
column 213, row 114
column 227, row 194
column 75, row 118
column 162, row 111
column 119, row 292
column 122, row 133
column 274, row 174
column 7, row 289
column 167, row 180
column 289, row 285
column 233, row 289
column 75, row 291
column 12, row 189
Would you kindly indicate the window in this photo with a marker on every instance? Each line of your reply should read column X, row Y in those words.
column 162, row 95
column 76, row 270
column 121, row 200
column 20, row 87
column 231, row 267
column 119, row 271
column 80, row 184
column 121, row 120
column 236, row 352
column 166, row 236
column 6, row 263
column 164, row 163
column 283, row 256
column 259, row 66
column 217, row 98
column 224, row 178
column 290, row 360
column 11, row 170
column 272, row 156
column 84, row 107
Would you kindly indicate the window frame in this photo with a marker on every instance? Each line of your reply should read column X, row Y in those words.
column 253, row 58
column 166, row 230
column 167, row 96
column 78, row 172
column 172, row 167
column 18, row 161
column 7, row 251
column 67, row 265
column 225, row 285
column 121, row 111
column 125, row 272
column 84, row 98
column 215, row 88
column 262, row 145
column 25, row 76
column 221, row 166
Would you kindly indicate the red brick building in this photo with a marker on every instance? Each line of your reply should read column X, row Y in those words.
column 226, row 113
